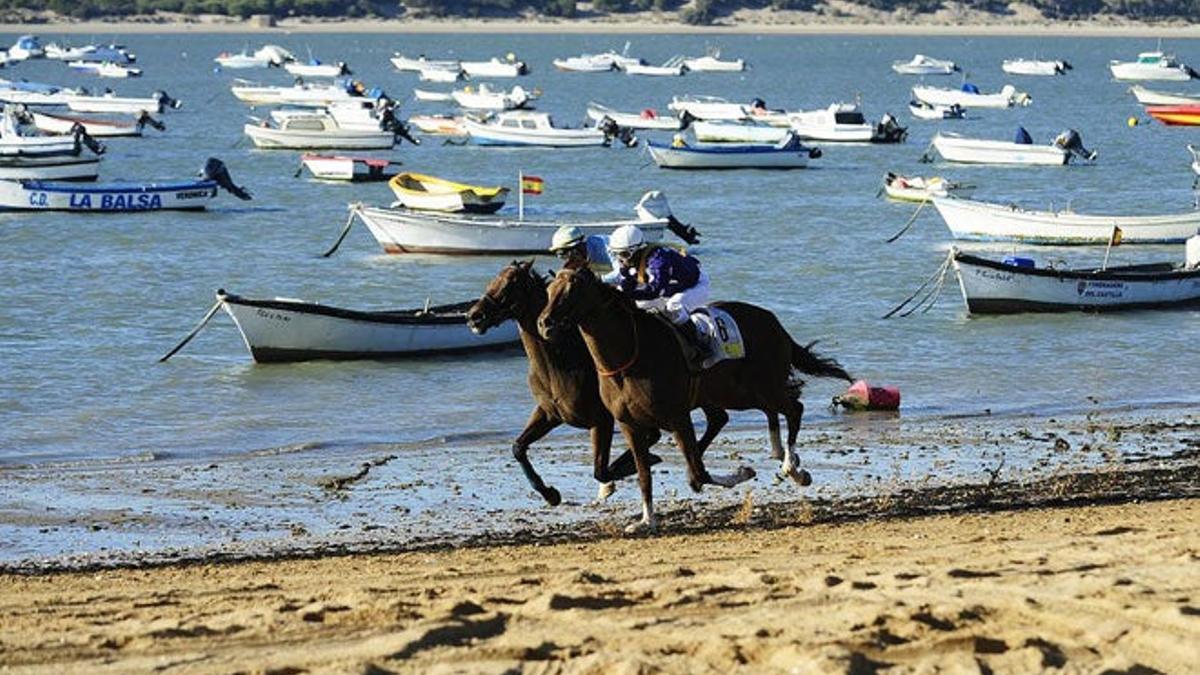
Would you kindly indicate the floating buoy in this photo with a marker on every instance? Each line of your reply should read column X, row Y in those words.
column 1132, row 122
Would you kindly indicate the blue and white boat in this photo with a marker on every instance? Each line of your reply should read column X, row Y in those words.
column 35, row 195
column 26, row 47
column 787, row 154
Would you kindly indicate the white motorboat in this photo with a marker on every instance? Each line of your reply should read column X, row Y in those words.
column 483, row 97
column 918, row 188
column 26, row 47
column 314, row 68
column 956, row 148
column 107, row 128
column 316, row 131
column 1151, row 66
column 284, row 330
column 1017, row 284
column 787, row 154
column 927, row 111
column 588, row 63
column 265, row 56
column 528, row 128
column 405, row 231
column 509, row 66
column 440, row 75
column 65, row 53
column 1153, row 97
column 1034, row 67
column 34, row 93
column 116, row 70
column 924, row 65
column 433, row 96
column 646, row 119
column 407, row 63
column 354, row 169
column 439, row 125
column 157, row 102
column 969, row 96
column 14, row 141
column 708, row 107
column 744, row 131
column 844, row 123
column 74, row 167
column 983, row 221
column 672, row 68
column 359, row 114
column 303, row 94
column 712, row 63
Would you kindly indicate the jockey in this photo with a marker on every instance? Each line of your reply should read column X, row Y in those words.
column 580, row 250
column 659, row 278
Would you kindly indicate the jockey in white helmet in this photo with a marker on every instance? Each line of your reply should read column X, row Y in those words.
column 659, row 278
column 578, row 249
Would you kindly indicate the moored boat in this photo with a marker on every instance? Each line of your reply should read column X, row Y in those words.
column 918, row 188
column 509, row 66
column 483, row 97
column 315, row 68
column 712, row 63
column 65, row 124
column 744, row 131
column 927, row 111
column 1018, row 285
column 408, row 63
column 430, row 193
column 528, row 128
column 439, row 125
column 344, row 168
column 72, row 167
column 969, row 96
column 844, row 123
column 648, row 118
column 440, row 75
column 1034, row 67
column 924, row 65
column 956, row 148
column 1176, row 115
column 587, row 63
column 984, row 221
column 1151, row 66
column 787, row 154
column 1147, row 96
column 157, row 102
column 708, row 107
column 304, row 94
column 672, row 68
column 433, row 96
column 317, row 131
column 282, row 330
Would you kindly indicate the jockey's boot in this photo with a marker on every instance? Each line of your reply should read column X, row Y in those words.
column 694, row 349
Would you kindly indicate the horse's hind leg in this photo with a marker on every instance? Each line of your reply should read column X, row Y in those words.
column 773, row 432
column 636, row 438
column 698, row 476
column 791, row 460
column 540, row 423
column 602, row 436
column 716, row 418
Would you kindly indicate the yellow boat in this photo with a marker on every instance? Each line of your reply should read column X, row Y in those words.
column 430, row 193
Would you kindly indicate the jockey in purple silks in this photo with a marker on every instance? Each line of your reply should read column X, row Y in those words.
column 659, row 278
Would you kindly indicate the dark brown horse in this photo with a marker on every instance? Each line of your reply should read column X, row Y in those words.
column 646, row 382
column 562, row 379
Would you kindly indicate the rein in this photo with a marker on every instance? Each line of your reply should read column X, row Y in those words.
column 636, row 349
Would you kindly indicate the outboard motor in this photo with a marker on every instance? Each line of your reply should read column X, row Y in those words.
column 389, row 122
column 1064, row 66
column 83, row 138
column 1070, row 141
column 214, row 169
column 145, row 119
column 686, row 118
column 889, row 130
column 814, row 153
column 608, row 126
column 343, row 69
column 653, row 206
column 969, row 88
column 1022, row 137
column 165, row 99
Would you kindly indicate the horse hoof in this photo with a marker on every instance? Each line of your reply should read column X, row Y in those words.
column 745, row 473
column 642, row 527
column 802, row 478
column 553, row 498
column 606, row 490
column 697, row 486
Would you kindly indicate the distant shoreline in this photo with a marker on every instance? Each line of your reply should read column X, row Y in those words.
column 608, row 25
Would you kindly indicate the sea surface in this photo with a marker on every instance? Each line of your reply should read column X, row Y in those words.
column 92, row 301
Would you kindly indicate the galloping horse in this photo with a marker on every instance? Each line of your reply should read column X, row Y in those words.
column 646, row 382
column 562, row 379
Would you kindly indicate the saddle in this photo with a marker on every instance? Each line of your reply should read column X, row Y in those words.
column 717, row 338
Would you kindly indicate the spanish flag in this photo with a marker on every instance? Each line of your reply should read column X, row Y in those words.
column 531, row 185
column 1116, row 236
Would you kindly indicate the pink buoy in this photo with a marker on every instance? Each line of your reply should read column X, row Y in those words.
column 863, row 396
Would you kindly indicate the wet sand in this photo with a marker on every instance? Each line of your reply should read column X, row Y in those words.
column 1113, row 588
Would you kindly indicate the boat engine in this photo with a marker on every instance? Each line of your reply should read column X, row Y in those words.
column 214, row 170
column 1070, row 141
column 82, row 138
column 165, row 99
column 889, row 130
column 653, row 206
column 145, row 119
column 386, row 111
column 613, row 131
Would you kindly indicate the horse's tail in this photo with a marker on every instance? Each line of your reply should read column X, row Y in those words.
column 809, row 362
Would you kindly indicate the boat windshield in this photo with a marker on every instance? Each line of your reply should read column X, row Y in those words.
column 1152, row 57
column 849, row 118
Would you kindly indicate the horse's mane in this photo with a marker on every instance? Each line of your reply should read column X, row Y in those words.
column 568, row 349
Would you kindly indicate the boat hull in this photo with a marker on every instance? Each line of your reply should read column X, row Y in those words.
column 269, row 138
column 1151, row 97
column 429, row 193
column 992, row 287
column 403, row 231
column 1176, row 115
column 982, row 221
column 286, row 330
column 53, row 124
column 976, row 151
column 707, row 131
column 596, row 112
column 354, row 169
column 72, row 168
column 947, row 97
column 746, row 157
column 1137, row 71
column 104, row 104
column 1022, row 67
column 489, row 134
column 106, row 198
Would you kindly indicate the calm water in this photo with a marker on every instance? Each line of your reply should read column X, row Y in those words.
column 93, row 301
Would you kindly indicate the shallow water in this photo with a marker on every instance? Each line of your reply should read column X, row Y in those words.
column 94, row 300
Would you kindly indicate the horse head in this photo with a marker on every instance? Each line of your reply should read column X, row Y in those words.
column 572, row 293
column 516, row 292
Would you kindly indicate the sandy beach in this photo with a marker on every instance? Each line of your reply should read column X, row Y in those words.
column 1110, row 588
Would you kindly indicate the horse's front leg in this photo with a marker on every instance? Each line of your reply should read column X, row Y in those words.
column 791, row 460
column 773, row 432
column 698, row 476
column 540, row 423
column 602, row 435
column 636, row 438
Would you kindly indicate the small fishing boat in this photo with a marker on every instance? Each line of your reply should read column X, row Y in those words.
column 708, row 107
column 1176, row 115
column 1151, row 66
column 712, row 63
column 743, row 131
column 26, row 47
column 304, row 94
column 65, row 124
column 283, row 330
column 587, row 63
column 969, row 96
column 927, row 111
column 509, row 66
column 157, row 102
column 30, row 195
column 112, row 53
column 483, row 97
column 430, row 193
column 315, row 68
column 405, row 231
column 344, row 168
column 441, row 75
column 73, row 167
column 34, row 93
column 407, row 63
column 267, row 56
column 433, row 96
column 528, row 128
column 984, row 221
column 316, row 131
column 956, row 148
column 672, row 68
column 787, row 154
column 105, row 69
column 845, row 123
column 59, row 52
column 439, row 125
column 646, row 119
column 1154, row 97
column 1017, row 284
column 918, row 188
column 924, row 65
column 1034, row 67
